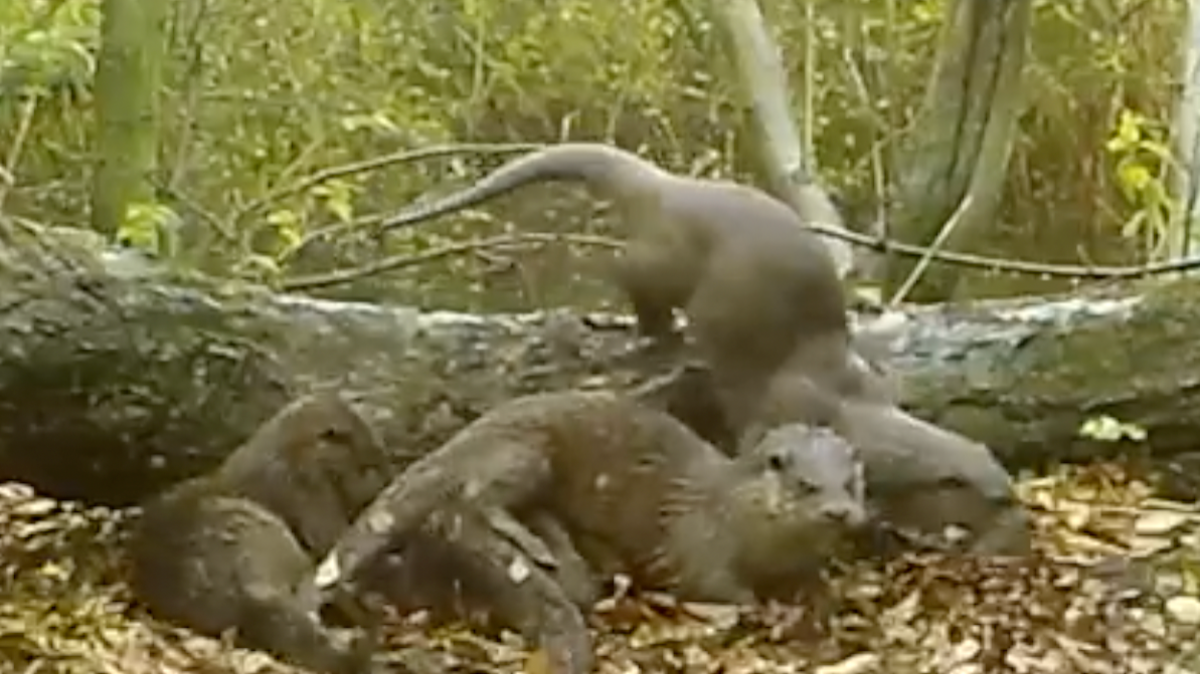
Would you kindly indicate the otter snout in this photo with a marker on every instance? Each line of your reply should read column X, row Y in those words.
column 844, row 513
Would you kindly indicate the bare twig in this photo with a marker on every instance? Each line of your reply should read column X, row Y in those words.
column 194, row 43
column 378, row 162
column 809, row 109
column 401, row 261
column 878, row 243
column 312, row 237
column 14, row 151
column 886, row 245
column 934, row 248
column 196, row 207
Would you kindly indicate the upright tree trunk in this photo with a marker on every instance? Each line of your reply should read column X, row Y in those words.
column 1186, row 237
column 962, row 143
column 763, row 80
column 128, row 78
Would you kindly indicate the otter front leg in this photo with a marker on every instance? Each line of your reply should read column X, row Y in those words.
column 545, row 541
column 645, row 276
column 506, row 474
column 502, row 522
column 524, row 596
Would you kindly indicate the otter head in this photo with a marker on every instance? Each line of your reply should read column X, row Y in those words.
column 323, row 431
column 933, row 486
column 800, row 495
column 355, row 458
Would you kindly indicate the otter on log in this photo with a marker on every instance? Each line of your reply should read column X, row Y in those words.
column 676, row 512
column 751, row 279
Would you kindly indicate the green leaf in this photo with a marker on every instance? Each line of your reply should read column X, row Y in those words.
column 1108, row 429
column 1133, row 225
column 144, row 226
column 258, row 264
column 338, row 196
column 287, row 226
column 1134, row 177
column 1128, row 131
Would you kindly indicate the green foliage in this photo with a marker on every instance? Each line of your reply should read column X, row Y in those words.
column 261, row 95
column 151, row 228
column 39, row 54
column 1108, row 429
column 1142, row 157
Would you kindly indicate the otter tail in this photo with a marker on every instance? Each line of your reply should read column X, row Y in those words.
column 595, row 164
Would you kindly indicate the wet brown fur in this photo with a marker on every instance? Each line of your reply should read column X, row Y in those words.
column 754, row 284
column 920, row 477
column 676, row 512
column 225, row 550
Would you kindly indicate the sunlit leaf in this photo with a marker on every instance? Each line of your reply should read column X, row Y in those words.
column 1108, row 429
column 1134, row 177
column 144, row 226
column 1127, row 133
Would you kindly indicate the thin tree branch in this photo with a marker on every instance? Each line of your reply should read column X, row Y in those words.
column 934, row 248
column 28, row 110
column 375, row 163
column 886, row 245
column 395, row 262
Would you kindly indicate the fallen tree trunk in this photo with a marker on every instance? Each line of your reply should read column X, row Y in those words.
column 111, row 387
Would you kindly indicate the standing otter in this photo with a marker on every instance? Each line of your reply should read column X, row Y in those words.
column 751, row 279
column 678, row 513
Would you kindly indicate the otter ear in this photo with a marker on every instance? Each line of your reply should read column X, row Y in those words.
column 334, row 433
column 776, row 461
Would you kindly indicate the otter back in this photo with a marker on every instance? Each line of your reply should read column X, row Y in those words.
column 920, row 477
column 226, row 549
column 212, row 562
column 636, row 480
column 753, row 282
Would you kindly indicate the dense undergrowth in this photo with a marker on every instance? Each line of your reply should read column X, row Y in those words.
column 260, row 95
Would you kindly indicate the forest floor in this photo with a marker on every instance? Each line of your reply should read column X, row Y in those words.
column 1114, row 586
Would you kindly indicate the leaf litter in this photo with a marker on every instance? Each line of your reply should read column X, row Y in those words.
column 1113, row 586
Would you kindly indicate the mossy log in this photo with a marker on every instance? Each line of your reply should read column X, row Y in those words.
column 113, row 386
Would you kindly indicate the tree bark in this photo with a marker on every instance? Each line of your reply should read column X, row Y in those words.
column 962, row 145
column 763, row 81
column 128, row 79
column 113, row 386
column 1185, row 184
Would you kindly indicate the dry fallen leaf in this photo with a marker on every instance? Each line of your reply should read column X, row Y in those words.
column 1068, row 608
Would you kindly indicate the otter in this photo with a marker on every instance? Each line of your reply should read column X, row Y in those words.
column 676, row 512
column 752, row 280
column 225, row 549
column 920, row 478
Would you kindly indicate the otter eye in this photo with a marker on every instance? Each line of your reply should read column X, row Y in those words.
column 807, row 487
column 776, row 462
column 333, row 434
column 952, row 482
